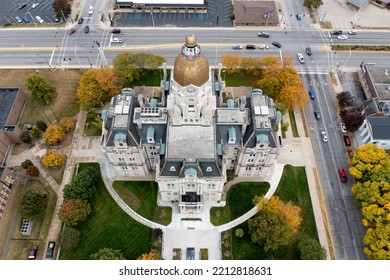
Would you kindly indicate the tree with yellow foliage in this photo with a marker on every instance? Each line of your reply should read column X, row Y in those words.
column 53, row 134
column 232, row 63
column 68, row 124
column 52, row 159
column 152, row 255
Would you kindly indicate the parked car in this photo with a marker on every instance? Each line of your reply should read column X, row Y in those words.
column 347, row 141
column 116, row 31
column 237, row 47
column 263, row 34
column 298, row 16
column 32, row 255
column 276, row 44
column 263, row 47
column 50, row 250
column 39, row 19
column 336, row 32
column 312, row 94
column 22, row 6
column 116, row 40
column 317, row 115
column 324, row 136
column 308, row 51
column 71, row 31
column 342, row 175
column 301, row 58
column 343, row 128
column 342, row 37
column 18, row 19
column 250, row 47
column 26, row 20
column 34, row 5
column 349, row 152
column 81, row 20
column 352, row 32
column 86, row 29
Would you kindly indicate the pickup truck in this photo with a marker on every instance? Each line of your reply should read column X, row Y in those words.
column 116, row 40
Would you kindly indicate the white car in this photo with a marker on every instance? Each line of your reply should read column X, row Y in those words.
column 34, row 5
column 39, row 19
column 352, row 32
column 342, row 37
column 343, row 128
column 263, row 47
column 301, row 58
column 90, row 10
column 237, row 47
column 116, row 40
column 324, row 136
column 18, row 19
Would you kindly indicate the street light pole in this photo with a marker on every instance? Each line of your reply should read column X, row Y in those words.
column 28, row 12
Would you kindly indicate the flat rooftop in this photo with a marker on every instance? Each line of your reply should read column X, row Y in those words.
column 381, row 80
column 191, row 142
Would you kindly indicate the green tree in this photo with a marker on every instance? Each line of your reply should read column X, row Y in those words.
column 26, row 163
column 74, row 211
column 41, row 125
column 33, row 204
column 41, row 91
column 83, row 186
column 26, row 137
column 108, row 254
column 310, row 249
column 70, row 238
column 34, row 133
column 312, row 3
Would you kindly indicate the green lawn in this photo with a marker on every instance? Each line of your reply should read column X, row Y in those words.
column 292, row 187
column 240, row 79
column 141, row 196
column 93, row 125
column 109, row 226
column 293, row 123
column 150, row 78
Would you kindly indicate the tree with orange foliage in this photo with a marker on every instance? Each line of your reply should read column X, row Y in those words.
column 74, row 211
column 232, row 63
column 68, row 124
column 53, row 134
column 152, row 255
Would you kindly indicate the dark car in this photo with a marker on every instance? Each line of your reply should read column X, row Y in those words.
column 263, row 34
column 336, row 32
column 308, row 51
column 342, row 175
column 32, row 255
column 116, row 31
column 312, row 94
column 22, row 6
column 81, row 20
column 276, row 44
column 347, row 141
column 350, row 153
column 50, row 250
column 86, row 29
column 298, row 16
column 25, row 20
column 317, row 114
column 71, row 31
column 250, row 47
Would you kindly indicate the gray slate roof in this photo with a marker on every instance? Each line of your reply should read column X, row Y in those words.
column 7, row 98
column 380, row 127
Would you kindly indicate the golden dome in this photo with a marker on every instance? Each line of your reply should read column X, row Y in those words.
column 191, row 41
column 191, row 66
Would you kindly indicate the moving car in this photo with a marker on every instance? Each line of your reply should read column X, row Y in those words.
column 71, row 31
column 116, row 40
column 301, row 58
column 90, row 10
column 343, row 128
column 32, row 255
column 116, row 31
column 263, row 34
column 342, row 37
column 81, row 20
column 263, row 47
column 25, row 20
column 50, row 250
column 347, row 141
column 298, row 16
column 342, row 175
column 312, row 94
column 317, row 115
column 18, row 19
column 34, row 5
column 250, row 47
column 324, row 136
column 237, row 47
column 308, row 51
column 336, row 32
column 86, row 29
column 352, row 32
column 39, row 19
column 276, row 44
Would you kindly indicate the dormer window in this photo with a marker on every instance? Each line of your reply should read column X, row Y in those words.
column 172, row 169
column 209, row 169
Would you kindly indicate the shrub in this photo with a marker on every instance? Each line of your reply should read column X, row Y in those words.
column 26, row 163
column 32, row 170
column 25, row 137
column 239, row 232
column 68, row 124
column 54, row 134
column 41, row 125
column 70, row 238
column 34, row 133
column 52, row 159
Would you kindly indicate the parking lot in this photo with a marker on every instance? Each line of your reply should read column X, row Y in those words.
column 10, row 12
column 218, row 12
